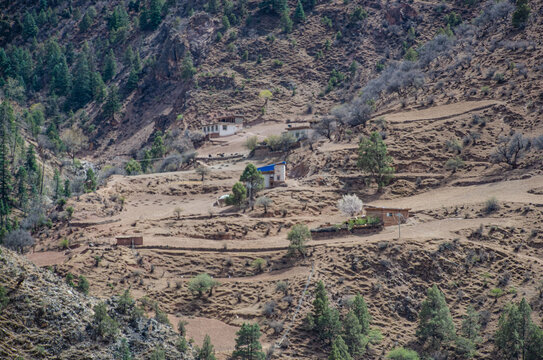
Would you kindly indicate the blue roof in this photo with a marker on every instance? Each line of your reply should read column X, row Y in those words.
column 270, row 167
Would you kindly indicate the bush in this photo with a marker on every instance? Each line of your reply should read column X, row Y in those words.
column 258, row 264
column 454, row 163
column 251, row 143
column 510, row 149
column 64, row 244
column 281, row 286
column 201, row 283
column 402, row 354
column 491, row 205
column 125, row 303
column 133, row 167
column 161, row 316
column 105, row 326
column 83, row 285
column 269, row 308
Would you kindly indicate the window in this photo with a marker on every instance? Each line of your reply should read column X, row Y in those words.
column 389, row 214
column 278, row 177
column 224, row 127
column 216, row 127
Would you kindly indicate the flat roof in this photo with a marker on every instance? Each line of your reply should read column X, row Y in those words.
column 370, row 207
column 270, row 167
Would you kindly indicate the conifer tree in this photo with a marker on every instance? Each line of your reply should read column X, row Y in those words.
column 206, row 352
column 352, row 333
column 212, row 6
column 132, row 82
column 58, row 184
column 98, row 88
column 112, row 104
column 309, row 4
column 155, row 13
column 323, row 320
column 286, row 22
column 521, row 14
column 435, row 321
column 158, row 149
column 61, row 75
column 90, row 181
column 299, row 14
column 81, row 90
column 30, row 161
column 85, row 23
column 6, row 118
column 360, row 309
column 339, row 350
column 67, row 189
column 22, row 192
column 188, row 69
column 248, row 345
column 110, row 66
column 30, row 29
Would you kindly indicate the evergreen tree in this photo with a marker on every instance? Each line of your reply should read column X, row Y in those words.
column 112, row 104
column 67, row 189
column 238, row 196
column 517, row 336
column 6, row 119
column 254, row 180
column 360, row 309
column 90, row 181
column 30, row 161
column 248, row 345
column 61, row 77
column 521, row 14
column 352, row 333
column 158, row 149
column 277, row 7
column 206, row 352
column 299, row 14
column 58, row 184
column 188, row 69
column 22, row 193
column 146, row 162
column 470, row 324
column 98, row 88
column 124, row 352
column 81, row 90
column 110, row 66
column 323, row 320
column 85, row 23
column 309, row 4
column 132, row 82
column 30, row 29
column 117, row 19
column 435, row 321
column 286, row 22
column 155, row 13
column 339, row 350
column 212, row 6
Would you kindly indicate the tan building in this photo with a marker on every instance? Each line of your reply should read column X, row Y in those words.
column 389, row 216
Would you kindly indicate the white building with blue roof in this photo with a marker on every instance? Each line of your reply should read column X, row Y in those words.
column 274, row 174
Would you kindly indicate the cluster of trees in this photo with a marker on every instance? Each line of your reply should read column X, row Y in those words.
column 250, row 183
column 511, row 149
column 349, row 336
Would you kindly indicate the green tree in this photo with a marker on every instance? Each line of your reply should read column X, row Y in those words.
column 105, row 326
column 212, row 6
column 97, row 87
column 85, row 23
column 30, row 161
column 309, row 4
column 146, row 161
column 132, row 167
column 298, row 236
column 158, row 149
column 126, row 303
column 112, row 104
column 353, row 335
column 61, row 80
column 521, row 14
column 81, row 90
column 517, row 336
column 435, row 321
column 299, row 14
column 339, row 350
column 188, row 70
column 206, row 352
column 124, row 353
column 286, row 21
column 22, row 193
column 248, row 345
column 238, row 196
column 90, row 181
column 253, row 179
column 324, row 321
column 6, row 119
column 360, row 309
column 83, row 284
column 30, row 29
column 373, row 159
column 132, row 81
column 402, row 354
column 67, row 188
column 58, row 184
column 201, row 283
column 110, row 66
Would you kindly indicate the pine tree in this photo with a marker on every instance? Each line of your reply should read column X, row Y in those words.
column 521, row 14
column 339, row 350
column 61, row 75
column 248, row 345
column 353, row 335
column 6, row 119
column 98, row 88
column 22, row 193
column 132, row 82
column 90, row 181
column 323, row 320
column 309, row 4
column 30, row 161
column 360, row 309
column 435, row 321
column 188, row 69
column 374, row 160
column 58, row 184
column 112, row 104
column 212, row 6
column 146, row 162
column 110, row 66
column 254, row 180
column 158, row 149
column 30, row 29
column 286, row 22
column 67, row 189
column 85, row 23
column 299, row 14
column 81, row 90
column 155, row 14
column 206, row 352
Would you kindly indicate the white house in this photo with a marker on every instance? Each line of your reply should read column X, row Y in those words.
column 274, row 174
column 224, row 126
column 300, row 130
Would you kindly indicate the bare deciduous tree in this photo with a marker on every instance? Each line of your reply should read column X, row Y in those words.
column 19, row 240
column 265, row 202
column 326, row 127
column 74, row 139
column 510, row 149
column 202, row 171
column 350, row 205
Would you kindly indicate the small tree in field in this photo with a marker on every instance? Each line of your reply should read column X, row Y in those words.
column 350, row 205
column 402, row 354
column 298, row 236
column 238, row 196
column 374, row 160
column 251, row 143
column 201, row 283
column 510, row 150
column 203, row 171
column 253, row 179
column 207, row 352
column 435, row 321
column 265, row 202
column 248, row 345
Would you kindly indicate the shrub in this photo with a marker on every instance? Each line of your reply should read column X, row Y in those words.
column 281, row 286
column 510, row 149
column 298, row 236
column 19, row 240
column 126, row 303
column 264, row 202
column 203, row 171
column 521, row 14
column 105, row 326
column 132, row 167
column 269, row 308
column 83, row 285
column 491, row 205
column 238, row 196
column 495, row 293
column 454, row 163
column 64, row 243
column 258, row 264
column 201, row 283
column 161, row 316
column 251, row 143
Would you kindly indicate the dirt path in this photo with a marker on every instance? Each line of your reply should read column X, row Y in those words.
column 508, row 191
column 440, row 112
